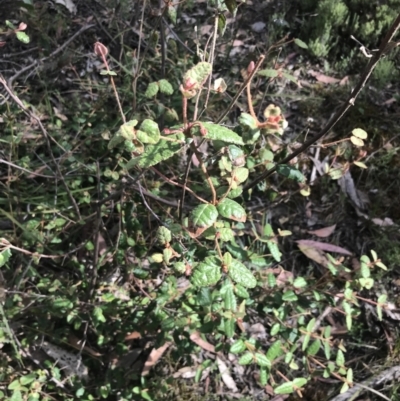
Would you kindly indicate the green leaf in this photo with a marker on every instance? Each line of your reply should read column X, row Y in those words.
column 23, row 37
column 241, row 291
column 290, row 172
column 246, row 359
column 263, row 376
column 336, row 173
column 161, row 151
column 62, row 303
column 285, row 388
column 344, row 388
column 24, row 380
column 165, row 86
column 229, row 298
column 179, row 267
column 207, row 273
column 270, row 73
column 151, row 132
column 289, row 296
column 306, row 340
column 275, row 350
column 231, row 5
column 145, row 395
column 340, row 358
column 152, row 89
column 9, row 24
column 204, row 215
column 299, row 282
column 364, row 268
column 196, row 76
column 356, row 141
column 229, row 327
column 327, row 350
column 367, row 283
column 273, row 248
column 300, row 43
column 168, row 323
column 171, row 115
column 290, row 77
column 266, row 155
column 230, row 209
column 239, row 273
column 163, row 235
column 14, row 385
column 5, row 256
column 251, row 132
column 311, row 324
column 349, row 376
column 271, row 243
column 218, row 132
column 172, row 13
column 360, row 164
column 262, row 360
column 157, row 258
column 382, row 299
column 221, row 23
column 237, row 347
column 359, row 133
column 98, row 315
column 275, row 329
column 226, row 234
column 107, row 72
column 126, row 132
column 240, row 174
column 314, row 347
column 204, row 297
column 235, row 153
column 17, row 396
column 381, row 265
column 271, row 280
column 299, row 382
column 247, row 121
column 104, row 391
column 227, row 259
column 288, row 357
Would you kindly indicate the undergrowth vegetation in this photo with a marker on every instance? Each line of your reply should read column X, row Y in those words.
column 151, row 245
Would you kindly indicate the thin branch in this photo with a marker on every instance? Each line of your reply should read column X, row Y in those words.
column 179, row 185
column 54, row 53
column 343, row 110
column 241, row 89
column 175, row 35
column 33, row 116
column 205, row 172
column 26, row 170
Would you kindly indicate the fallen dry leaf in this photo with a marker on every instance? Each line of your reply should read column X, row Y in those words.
column 347, row 185
column 323, row 246
column 383, row 223
column 133, row 336
column 315, row 254
column 226, row 376
column 323, row 232
column 153, row 358
column 70, row 363
column 196, row 338
column 283, row 278
column 187, row 372
column 323, row 78
column 197, row 232
column 77, row 344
